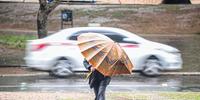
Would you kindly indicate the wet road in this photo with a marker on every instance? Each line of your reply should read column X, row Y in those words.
column 119, row 83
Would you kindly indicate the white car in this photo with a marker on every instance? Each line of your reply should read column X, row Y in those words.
column 60, row 54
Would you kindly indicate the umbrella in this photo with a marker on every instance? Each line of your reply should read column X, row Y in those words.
column 104, row 54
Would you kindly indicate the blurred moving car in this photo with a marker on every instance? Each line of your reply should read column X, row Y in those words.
column 60, row 54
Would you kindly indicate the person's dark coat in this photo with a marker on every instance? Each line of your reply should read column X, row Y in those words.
column 96, row 77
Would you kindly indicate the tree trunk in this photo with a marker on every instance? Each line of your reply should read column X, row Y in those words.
column 42, row 16
column 176, row 2
column 42, row 23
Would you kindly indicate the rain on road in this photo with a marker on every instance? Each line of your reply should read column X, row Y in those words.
column 118, row 83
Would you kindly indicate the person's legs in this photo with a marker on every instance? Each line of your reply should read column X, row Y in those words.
column 101, row 92
column 102, row 89
column 96, row 90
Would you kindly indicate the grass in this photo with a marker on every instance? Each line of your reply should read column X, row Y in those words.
column 127, row 96
column 182, row 96
column 154, row 96
column 6, row 20
column 111, row 95
column 13, row 40
column 118, row 14
column 91, row 13
column 171, row 8
column 144, row 96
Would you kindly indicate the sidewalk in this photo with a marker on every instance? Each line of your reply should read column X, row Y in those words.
column 133, row 95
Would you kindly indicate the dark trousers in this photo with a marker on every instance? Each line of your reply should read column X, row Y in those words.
column 100, row 89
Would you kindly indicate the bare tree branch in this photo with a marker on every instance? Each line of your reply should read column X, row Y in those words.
column 51, row 6
column 42, row 16
column 43, row 3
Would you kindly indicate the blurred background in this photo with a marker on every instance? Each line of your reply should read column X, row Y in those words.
column 176, row 25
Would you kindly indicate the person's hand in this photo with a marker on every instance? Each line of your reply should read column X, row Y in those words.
column 92, row 69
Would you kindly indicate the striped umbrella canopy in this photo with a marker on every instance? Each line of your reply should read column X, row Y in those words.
column 104, row 54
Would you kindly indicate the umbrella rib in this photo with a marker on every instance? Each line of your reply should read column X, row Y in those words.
column 115, row 63
column 105, row 55
column 120, row 55
column 117, row 60
column 126, row 55
column 114, row 68
column 120, row 49
column 120, row 68
column 97, row 52
column 92, row 46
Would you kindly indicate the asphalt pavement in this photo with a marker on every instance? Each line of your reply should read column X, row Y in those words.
column 78, row 82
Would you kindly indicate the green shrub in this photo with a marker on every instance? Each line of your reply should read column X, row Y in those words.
column 15, row 40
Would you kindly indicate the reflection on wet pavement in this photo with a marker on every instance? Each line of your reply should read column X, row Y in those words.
column 119, row 83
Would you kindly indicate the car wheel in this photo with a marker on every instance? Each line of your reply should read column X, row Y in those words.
column 62, row 68
column 151, row 67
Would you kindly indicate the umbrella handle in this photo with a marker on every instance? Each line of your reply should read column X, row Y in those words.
column 89, row 74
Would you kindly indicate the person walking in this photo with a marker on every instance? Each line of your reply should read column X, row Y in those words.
column 97, row 81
